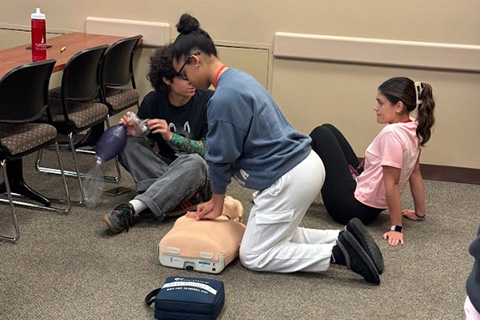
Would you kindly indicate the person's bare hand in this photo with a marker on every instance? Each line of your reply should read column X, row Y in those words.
column 160, row 126
column 393, row 238
column 205, row 211
column 131, row 125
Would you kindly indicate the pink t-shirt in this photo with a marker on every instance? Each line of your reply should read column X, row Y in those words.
column 395, row 146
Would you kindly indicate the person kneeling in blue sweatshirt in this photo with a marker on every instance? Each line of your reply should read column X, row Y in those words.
column 250, row 139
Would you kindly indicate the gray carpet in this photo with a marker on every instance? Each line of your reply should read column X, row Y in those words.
column 70, row 267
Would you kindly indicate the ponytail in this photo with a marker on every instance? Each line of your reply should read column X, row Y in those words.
column 425, row 117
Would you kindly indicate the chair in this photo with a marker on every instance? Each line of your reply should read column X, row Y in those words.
column 78, row 108
column 23, row 99
column 116, row 73
column 118, row 90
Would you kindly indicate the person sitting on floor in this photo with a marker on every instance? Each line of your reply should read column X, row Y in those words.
column 175, row 179
column 352, row 189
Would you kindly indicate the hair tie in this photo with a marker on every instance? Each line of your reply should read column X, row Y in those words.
column 418, row 93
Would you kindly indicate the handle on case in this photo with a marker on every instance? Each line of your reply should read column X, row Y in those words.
column 150, row 298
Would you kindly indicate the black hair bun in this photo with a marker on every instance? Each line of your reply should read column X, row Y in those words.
column 187, row 24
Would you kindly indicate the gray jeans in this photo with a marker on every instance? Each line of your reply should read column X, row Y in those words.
column 162, row 185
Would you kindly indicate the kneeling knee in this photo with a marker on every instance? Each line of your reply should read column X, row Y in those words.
column 247, row 262
column 250, row 261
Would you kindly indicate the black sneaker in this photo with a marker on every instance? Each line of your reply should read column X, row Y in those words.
column 186, row 205
column 356, row 259
column 121, row 218
column 358, row 230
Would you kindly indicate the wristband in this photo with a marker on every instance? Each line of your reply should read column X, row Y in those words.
column 396, row 228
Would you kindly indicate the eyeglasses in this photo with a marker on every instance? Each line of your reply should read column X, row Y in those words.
column 182, row 77
column 179, row 73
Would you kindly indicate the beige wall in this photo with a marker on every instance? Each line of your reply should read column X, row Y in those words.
column 314, row 92
column 345, row 95
column 253, row 21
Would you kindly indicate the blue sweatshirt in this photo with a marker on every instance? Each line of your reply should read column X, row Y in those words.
column 248, row 136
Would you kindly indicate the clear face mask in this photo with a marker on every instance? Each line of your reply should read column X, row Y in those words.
column 141, row 126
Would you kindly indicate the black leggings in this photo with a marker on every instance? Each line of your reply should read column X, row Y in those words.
column 337, row 192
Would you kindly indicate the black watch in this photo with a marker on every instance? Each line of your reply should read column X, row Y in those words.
column 396, row 228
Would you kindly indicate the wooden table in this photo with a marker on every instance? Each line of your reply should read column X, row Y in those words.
column 72, row 42
column 14, row 57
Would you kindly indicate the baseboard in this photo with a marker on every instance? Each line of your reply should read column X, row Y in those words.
column 450, row 174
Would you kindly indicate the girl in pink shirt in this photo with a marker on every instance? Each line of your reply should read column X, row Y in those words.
column 363, row 190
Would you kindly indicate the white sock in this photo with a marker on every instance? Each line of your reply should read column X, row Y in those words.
column 138, row 206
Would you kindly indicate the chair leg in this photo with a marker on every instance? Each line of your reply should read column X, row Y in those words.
column 61, row 171
column 71, row 174
column 67, row 194
column 78, row 150
column 117, row 165
column 86, row 151
column 74, row 155
column 18, row 186
column 12, row 208
column 47, row 206
column 82, row 175
column 76, row 173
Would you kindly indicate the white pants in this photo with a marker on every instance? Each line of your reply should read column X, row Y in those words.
column 470, row 312
column 273, row 240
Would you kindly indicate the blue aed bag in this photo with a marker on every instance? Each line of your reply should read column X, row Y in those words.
column 184, row 298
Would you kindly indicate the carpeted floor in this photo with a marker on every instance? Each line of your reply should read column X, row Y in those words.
column 70, row 267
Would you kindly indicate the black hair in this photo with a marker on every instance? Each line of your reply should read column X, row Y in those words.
column 161, row 66
column 191, row 37
column 403, row 89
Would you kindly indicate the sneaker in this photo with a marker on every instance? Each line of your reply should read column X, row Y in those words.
column 121, row 218
column 356, row 259
column 186, row 205
column 358, row 230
